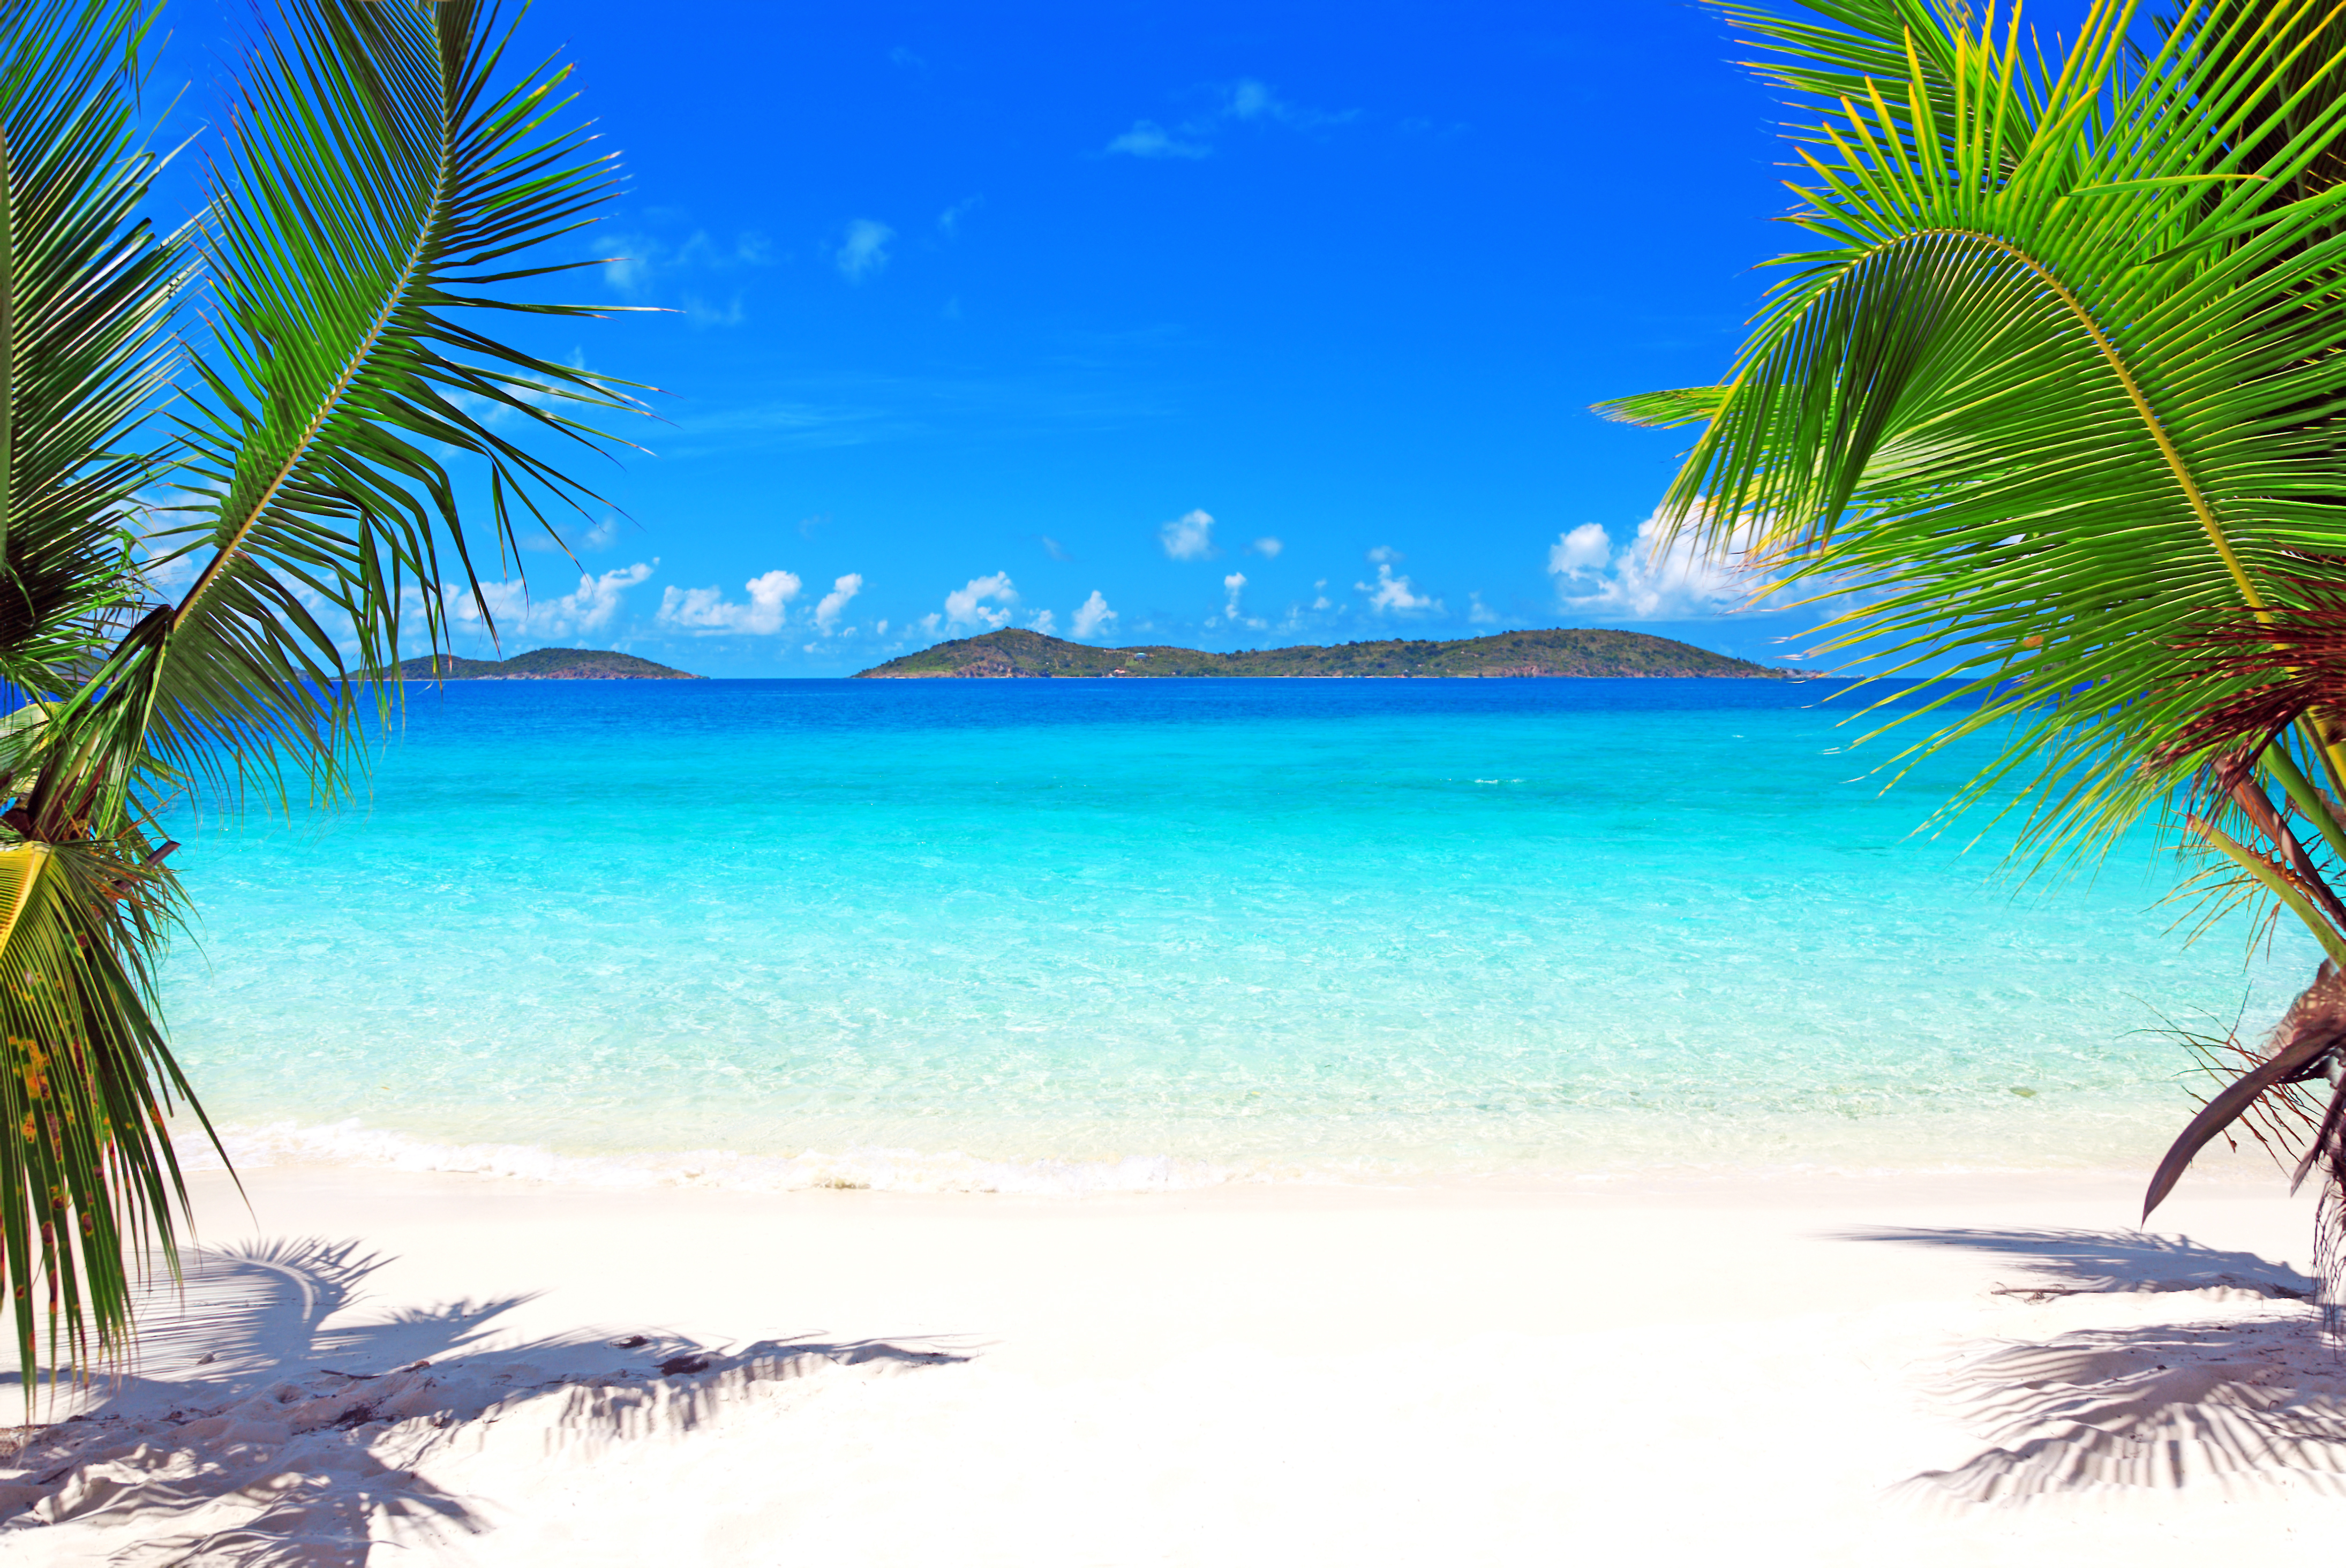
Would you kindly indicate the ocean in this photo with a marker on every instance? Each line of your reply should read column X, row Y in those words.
column 1104, row 935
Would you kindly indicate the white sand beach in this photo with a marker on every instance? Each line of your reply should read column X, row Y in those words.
column 1974, row 1370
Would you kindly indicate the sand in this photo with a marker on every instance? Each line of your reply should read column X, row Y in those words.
column 1966, row 1370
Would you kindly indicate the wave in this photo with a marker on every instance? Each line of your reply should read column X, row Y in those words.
column 353, row 1142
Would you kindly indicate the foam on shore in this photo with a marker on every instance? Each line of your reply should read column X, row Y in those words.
column 861, row 1166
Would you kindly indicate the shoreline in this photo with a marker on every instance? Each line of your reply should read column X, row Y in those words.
column 349, row 1144
column 1243, row 1374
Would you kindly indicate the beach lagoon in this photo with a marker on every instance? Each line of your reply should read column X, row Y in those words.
column 1071, row 936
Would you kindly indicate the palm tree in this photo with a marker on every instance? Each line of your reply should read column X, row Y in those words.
column 2059, row 395
column 294, row 371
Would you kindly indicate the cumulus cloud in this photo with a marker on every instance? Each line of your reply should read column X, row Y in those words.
column 706, row 612
column 1384, row 552
column 1147, row 138
column 601, row 536
column 1389, row 595
column 865, row 251
column 1246, row 102
column 588, row 608
column 1480, row 614
column 1093, row 617
column 699, row 312
column 1249, row 99
column 1266, row 548
column 1189, row 537
column 1583, row 551
column 628, row 274
column 1644, row 581
column 834, row 604
column 1044, row 621
column 965, row 607
column 1232, row 587
column 645, row 260
column 949, row 220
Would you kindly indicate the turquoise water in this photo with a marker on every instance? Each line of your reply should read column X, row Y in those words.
column 1051, row 934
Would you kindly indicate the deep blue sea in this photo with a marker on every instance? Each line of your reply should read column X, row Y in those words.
column 1057, row 935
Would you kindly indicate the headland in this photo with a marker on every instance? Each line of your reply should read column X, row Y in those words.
column 1589, row 653
column 543, row 663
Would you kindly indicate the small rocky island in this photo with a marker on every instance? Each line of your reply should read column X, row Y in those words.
column 1599, row 654
column 542, row 664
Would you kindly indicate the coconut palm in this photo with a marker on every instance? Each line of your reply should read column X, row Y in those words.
column 2058, row 395
column 289, row 376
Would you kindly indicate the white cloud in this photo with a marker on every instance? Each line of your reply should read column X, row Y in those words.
column 1147, row 138
column 645, row 258
column 596, row 539
column 1044, row 622
column 1266, row 548
column 865, row 251
column 1644, row 582
column 1189, row 537
column 1392, row 594
column 706, row 612
column 965, row 607
column 1251, row 100
column 1233, row 585
column 699, row 312
column 834, row 603
column 1245, row 101
column 588, row 608
column 631, row 273
column 1583, row 551
column 1093, row 617
column 1248, row 100
column 1480, row 614
column 949, row 220
column 1384, row 552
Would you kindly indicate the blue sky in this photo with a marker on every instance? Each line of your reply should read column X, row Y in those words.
column 1220, row 325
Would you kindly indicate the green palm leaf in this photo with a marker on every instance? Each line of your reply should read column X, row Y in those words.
column 2054, row 387
column 382, row 190
column 85, row 301
column 379, row 189
column 87, row 290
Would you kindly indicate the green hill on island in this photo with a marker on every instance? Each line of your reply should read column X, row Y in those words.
column 543, row 663
column 1010, row 655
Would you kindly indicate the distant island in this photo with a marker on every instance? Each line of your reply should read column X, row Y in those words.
column 542, row 664
column 1013, row 654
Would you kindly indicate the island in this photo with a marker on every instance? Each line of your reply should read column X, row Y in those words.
column 1010, row 653
column 542, row 664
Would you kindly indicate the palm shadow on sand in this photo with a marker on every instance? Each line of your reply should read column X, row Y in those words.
column 253, row 1430
column 2253, row 1402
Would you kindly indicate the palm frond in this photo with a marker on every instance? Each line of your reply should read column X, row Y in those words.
column 2038, row 409
column 86, row 288
column 383, row 186
column 382, row 191
column 1666, row 409
column 87, row 1176
column 1845, row 49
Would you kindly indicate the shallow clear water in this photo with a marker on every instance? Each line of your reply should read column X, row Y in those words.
column 1124, row 933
